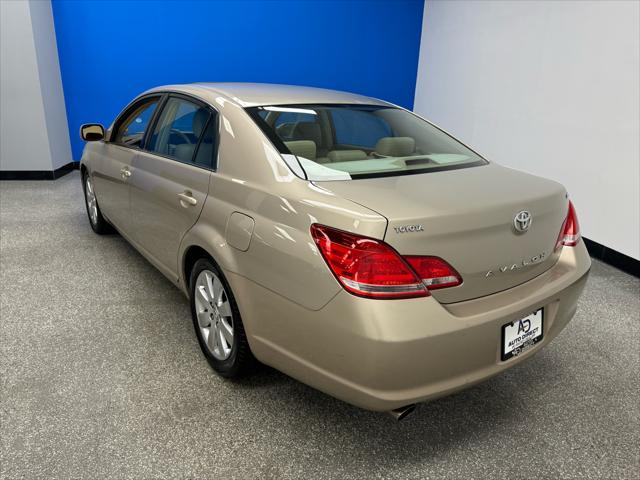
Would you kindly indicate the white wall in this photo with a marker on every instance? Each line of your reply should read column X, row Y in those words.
column 51, row 82
column 552, row 88
column 33, row 120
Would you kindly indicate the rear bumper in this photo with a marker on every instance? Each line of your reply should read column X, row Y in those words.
column 382, row 355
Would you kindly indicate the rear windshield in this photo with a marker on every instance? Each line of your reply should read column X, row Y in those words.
column 344, row 142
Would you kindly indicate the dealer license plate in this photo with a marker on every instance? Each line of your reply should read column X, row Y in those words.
column 522, row 334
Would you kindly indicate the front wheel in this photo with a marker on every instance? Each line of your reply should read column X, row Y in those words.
column 217, row 321
column 97, row 221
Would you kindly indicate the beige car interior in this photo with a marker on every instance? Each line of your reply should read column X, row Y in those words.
column 303, row 148
column 396, row 146
column 385, row 147
column 185, row 151
column 309, row 140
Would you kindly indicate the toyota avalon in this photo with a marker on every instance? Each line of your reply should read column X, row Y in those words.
column 341, row 239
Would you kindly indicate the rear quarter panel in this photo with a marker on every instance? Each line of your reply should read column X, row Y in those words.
column 252, row 179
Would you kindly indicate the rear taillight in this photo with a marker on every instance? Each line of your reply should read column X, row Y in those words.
column 370, row 268
column 435, row 272
column 365, row 266
column 570, row 231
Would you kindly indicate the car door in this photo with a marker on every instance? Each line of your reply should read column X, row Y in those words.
column 113, row 168
column 170, row 179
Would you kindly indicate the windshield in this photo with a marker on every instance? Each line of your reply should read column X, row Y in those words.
column 344, row 142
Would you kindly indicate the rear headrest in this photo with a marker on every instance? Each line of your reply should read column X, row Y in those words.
column 396, row 146
column 346, row 155
column 302, row 148
column 307, row 131
column 199, row 120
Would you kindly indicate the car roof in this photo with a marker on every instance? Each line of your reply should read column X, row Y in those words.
column 256, row 94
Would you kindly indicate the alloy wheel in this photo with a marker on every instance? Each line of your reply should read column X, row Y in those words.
column 92, row 205
column 215, row 317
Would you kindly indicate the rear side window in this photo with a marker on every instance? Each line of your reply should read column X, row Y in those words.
column 130, row 131
column 178, row 130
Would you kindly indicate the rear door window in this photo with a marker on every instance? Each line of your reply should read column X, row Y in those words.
column 178, row 130
column 205, row 153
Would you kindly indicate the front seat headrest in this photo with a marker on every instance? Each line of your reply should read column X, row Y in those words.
column 307, row 131
column 396, row 146
column 346, row 155
column 302, row 148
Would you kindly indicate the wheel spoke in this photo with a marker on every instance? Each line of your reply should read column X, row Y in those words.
column 203, row 319
column 212, row 339
column 222, row 342
column 210, row 291
column 202, row 298
column 94, row 210
column 225, row 309
column 217, row 290
column 227, row 332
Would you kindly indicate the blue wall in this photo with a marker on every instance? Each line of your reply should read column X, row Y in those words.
column 112, row 50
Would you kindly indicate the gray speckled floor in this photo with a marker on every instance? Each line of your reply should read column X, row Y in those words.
column 101, row 377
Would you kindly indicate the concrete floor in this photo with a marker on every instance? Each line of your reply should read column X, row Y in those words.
column 102, row 377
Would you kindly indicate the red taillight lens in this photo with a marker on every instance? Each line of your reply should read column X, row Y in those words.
column 570, row 231
column 365, row 266
column 435, row 272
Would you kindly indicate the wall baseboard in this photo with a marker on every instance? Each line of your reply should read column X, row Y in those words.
column 612, row 257
column 38, row 174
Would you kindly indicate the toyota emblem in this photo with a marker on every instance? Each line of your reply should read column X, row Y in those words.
column 522, row 221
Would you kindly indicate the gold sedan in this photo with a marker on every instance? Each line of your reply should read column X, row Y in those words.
column 338, row 238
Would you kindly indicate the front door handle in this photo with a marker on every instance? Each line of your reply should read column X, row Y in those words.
column 187, row 200
column 125, row 173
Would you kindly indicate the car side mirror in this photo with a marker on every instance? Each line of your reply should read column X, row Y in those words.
column 91, row 132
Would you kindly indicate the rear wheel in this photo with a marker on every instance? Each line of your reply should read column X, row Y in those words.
column 97, row 221
column 217, row 321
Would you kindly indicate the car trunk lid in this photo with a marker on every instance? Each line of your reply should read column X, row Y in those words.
column 466, row 217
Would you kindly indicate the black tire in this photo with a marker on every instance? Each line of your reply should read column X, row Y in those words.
column 98, row 223
column 240, row 361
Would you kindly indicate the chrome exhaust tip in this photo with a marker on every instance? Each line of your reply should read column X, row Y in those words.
column 402, row 412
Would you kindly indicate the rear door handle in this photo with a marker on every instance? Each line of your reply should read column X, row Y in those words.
column 187, row 200
column 125, row 173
